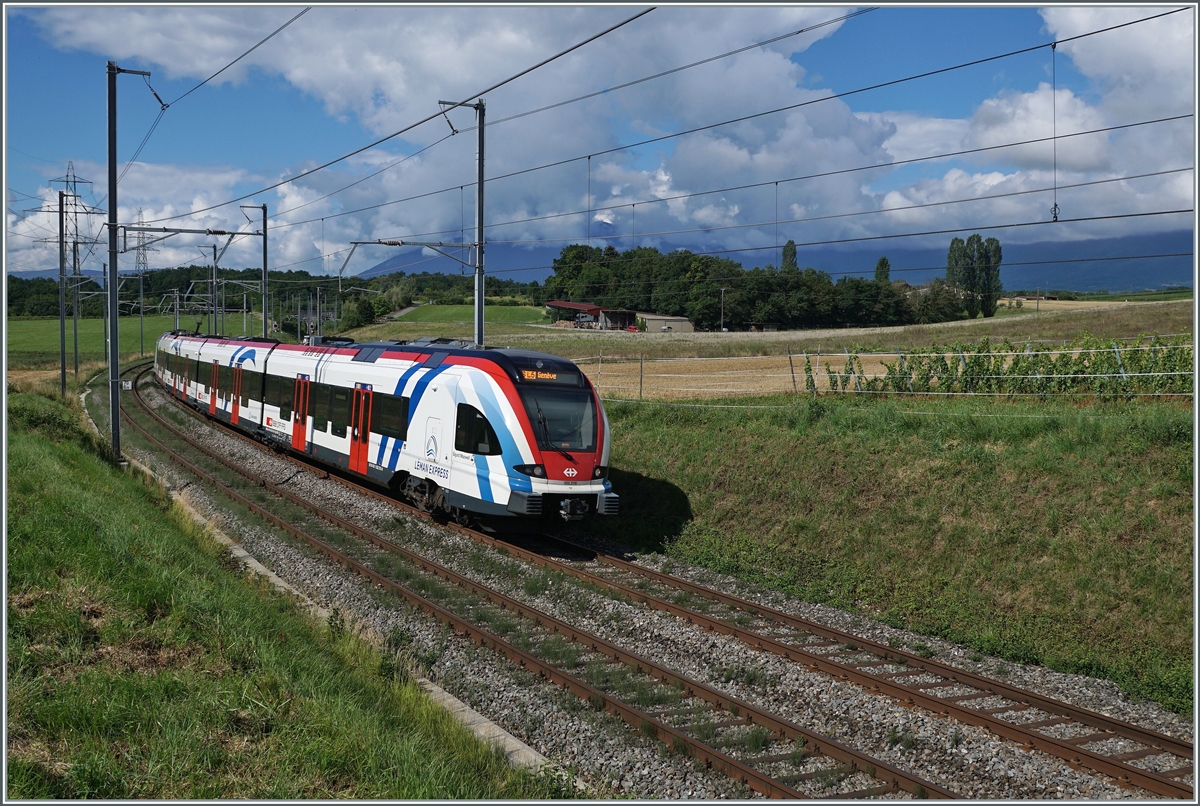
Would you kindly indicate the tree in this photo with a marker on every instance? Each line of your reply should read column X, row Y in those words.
column 883, row 271
column 937, row 304
column 963, row 263
column 789, row 257
column 381, row 306
column 990, row 288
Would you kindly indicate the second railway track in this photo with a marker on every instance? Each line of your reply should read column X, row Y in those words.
column 905, row 676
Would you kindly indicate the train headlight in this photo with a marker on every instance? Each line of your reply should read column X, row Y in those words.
column 600, row 472
column 531, row 470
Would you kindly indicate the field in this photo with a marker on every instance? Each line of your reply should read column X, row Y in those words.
column 34, row 343
column 1104, row 320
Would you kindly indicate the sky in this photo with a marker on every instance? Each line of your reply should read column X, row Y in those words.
column 808, row 149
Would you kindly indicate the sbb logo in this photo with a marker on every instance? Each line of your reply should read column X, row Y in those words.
column 570, row 472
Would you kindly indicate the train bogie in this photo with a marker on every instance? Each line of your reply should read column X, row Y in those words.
column 451, row 427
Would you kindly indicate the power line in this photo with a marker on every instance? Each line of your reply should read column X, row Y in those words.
column 365, row 178
column 239, row 58
column 825, row 98
column 605, row 91
column 164, row 106
column 730, row 189
column 652, row 140
column 838, row 215
column 860, row 239
column 410, row 127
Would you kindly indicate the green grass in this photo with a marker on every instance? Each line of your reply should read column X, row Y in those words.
column 140, row 666
column 1053, row 533
column 510, row 314
column 34, row 343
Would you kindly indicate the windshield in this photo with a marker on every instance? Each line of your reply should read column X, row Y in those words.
column 563, row 419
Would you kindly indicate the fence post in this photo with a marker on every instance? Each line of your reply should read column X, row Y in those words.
column 641, row 370
column 817, row 376
column 963, row 362
column 792, row 367
column 904, row 369
column 1120, row 364
column 853, row 372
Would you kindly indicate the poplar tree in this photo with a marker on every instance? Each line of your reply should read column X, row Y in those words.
column 990, row 288
column 883, row 271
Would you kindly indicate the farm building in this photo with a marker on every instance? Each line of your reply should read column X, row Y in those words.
column 592, row 316
column 656, row 323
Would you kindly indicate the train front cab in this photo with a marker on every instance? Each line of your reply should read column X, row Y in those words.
column 570, row 433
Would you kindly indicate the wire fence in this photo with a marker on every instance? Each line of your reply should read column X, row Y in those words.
column 1085, row 368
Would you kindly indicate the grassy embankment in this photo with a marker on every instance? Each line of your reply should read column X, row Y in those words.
column 1049, row 533
column 140, row 665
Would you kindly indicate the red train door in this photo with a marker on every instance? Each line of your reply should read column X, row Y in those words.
column 237, row 394
column 176, row 363
column 360, row 429
column 300, row 413
column 212, row 397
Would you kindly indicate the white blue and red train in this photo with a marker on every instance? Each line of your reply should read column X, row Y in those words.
column 452, row 427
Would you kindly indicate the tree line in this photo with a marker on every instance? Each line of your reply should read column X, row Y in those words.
column 716, row 292
column 711, row 291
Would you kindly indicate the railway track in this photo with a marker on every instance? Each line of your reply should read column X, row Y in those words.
column 1130, row 754
column 768, row 753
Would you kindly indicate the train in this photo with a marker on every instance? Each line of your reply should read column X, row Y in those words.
column 458, row 430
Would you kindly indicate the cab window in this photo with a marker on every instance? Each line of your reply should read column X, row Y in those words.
column 473, row 433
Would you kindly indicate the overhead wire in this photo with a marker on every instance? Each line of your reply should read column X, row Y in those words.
column 164, row 106
column 866, row 238
column 748, row 186
column 411, row 126
column 627, row 84
column 963, row 152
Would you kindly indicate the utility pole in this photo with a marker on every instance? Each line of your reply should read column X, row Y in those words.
column 213, row 299
column 62, row 292
column 479, row 110
column 177, row 309
column 142, row 267
column 722, row 310
column 114, row 369
column 75, row 305
column 264, row 288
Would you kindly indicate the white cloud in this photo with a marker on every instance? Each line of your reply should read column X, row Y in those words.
column 1143, row 71
column 1024, row 116
column 386, row 67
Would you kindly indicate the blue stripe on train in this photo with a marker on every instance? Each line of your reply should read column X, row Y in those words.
column 508, row 446
column 414, row 399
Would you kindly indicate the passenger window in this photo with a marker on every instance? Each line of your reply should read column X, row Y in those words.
column 390, row 417
column 286, row 386
column 226, row 381
column 339, row 412
column 320, row 406
column 473, row 433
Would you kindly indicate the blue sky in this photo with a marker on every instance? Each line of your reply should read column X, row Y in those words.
column 341, row 77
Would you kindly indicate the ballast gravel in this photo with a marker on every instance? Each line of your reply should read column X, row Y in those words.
column 608, row 756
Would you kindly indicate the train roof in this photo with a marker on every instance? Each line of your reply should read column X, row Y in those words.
column 521, row 365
